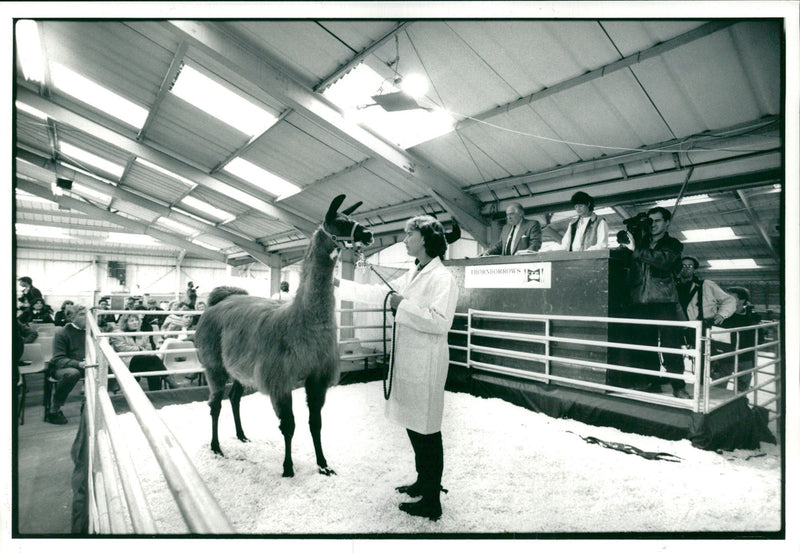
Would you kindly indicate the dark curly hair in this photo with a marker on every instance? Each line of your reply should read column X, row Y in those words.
column 433, row 235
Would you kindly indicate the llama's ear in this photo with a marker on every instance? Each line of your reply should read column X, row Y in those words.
column 352, row 208
column 335, row 204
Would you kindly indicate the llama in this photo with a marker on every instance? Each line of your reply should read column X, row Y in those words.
column 273, row 345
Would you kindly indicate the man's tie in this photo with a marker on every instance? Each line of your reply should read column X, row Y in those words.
column 510, row 240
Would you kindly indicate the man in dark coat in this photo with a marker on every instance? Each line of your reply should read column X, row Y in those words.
column 518, row 233
column 30, row 293
column 653, row 261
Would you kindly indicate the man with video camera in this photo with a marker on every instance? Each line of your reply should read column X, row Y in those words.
column 653, row 259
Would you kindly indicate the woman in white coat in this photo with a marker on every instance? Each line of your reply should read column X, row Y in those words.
column 424, row 307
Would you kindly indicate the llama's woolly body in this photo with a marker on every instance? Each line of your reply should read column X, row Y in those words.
column 274, row 346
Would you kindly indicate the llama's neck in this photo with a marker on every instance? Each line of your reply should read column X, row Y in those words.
column 315, row 292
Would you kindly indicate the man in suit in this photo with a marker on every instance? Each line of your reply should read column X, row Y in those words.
column 518, row 233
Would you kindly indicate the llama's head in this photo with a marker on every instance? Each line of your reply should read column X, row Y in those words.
column 341, row 228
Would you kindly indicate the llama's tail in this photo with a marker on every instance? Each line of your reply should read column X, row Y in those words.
column 221, row 292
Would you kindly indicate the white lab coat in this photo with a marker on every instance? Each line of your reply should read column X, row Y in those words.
column 421, row 354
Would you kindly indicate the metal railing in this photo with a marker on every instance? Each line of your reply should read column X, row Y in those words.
column 700, row 352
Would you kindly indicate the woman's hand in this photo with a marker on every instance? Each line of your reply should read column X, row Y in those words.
column 394, row 301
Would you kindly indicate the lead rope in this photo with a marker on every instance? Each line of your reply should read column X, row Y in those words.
column 389, row 376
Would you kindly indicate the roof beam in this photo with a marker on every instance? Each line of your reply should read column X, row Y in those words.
column 251, row 247
column 153, row 155
column 657, row 50
column 756, row 222
column 121, row 221
column 228, row 50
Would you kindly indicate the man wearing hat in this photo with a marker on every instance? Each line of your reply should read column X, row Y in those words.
column 587, row 231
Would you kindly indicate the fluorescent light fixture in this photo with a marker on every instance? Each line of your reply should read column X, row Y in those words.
column 30, row 110
column 221, row 102
column 86, row 191
column 77, row 154
column 718, row 264
column 89, row 92
column 709, row 234
column 207, row 208
column 261, row 178
column 700, row 198
column 167, row 172
column 135, row 239
column 176, row 226
column 29, row 50
column 415, row 85
column 39, row 231
column 604, row 211
column 407, row 128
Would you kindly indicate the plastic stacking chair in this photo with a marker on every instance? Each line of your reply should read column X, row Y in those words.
column 33, row 354
column 177, row 361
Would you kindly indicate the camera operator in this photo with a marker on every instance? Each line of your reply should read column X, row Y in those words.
column 654, row 258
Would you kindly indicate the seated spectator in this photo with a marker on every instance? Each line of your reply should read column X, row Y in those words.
column 30, row 293
column 60, row 318
column 283, row 292
column 139, row 363
column 68, row 362
column 151, row 320
column 103, row 321
column 200, row 306
column 39, row 313
column 742, row 316
column 175, row 321
column 587, row 231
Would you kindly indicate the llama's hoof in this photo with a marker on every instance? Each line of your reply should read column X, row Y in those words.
column 243, row 438
column 288, row 473
column 215, row 448
column 327, row 471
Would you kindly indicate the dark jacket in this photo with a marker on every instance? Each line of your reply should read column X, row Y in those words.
column 651, row 278
column 529, row 237
column 69, row 347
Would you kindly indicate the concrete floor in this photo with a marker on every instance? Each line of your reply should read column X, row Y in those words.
column 43, row 494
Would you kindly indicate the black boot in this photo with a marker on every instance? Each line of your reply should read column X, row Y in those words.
column 429, row 506
column 413, row 490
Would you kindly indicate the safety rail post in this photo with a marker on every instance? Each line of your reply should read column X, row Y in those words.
column 547, row 348
column 698, row 364
column 469, row 343
column 200, row 510
column 707, row 371
column 114, row 501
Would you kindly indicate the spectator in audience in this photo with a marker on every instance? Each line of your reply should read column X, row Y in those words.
column 742, row 316
column 68, row 363
column 518, row 233
column 39, row 313
column 139, row 363
column 175, row 321
column 587, row 231
column 60, row 318
column 30, row 293
column 105, row 322
column 150, row 321
column 200, row 306
column 702, row 300
column 191, row 294
column 283, row 292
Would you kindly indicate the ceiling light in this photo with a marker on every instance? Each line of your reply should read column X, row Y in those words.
column 86, row 191
column 261, row 178
column 25, row 196
column 718, row 264
column 604, row 211
column 136, row 239
column 709, row 234
column 29, row 50
column 30, row 110
column 39, row 231
column 415, row 85
column 221, row 102
column 700, row 198
column 81, row 88
column 77, row 154
column 207, row 208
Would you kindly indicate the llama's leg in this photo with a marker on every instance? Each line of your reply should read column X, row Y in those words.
column 315, row 396
column 283, row 408
column 236, row 396
column 216, row 386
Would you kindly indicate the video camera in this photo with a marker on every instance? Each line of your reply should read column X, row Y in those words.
column 638, row 226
